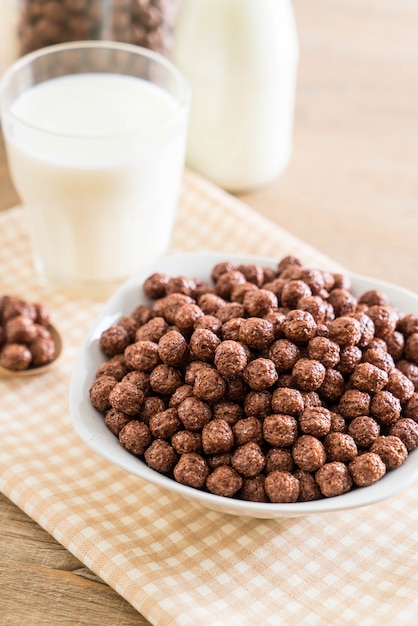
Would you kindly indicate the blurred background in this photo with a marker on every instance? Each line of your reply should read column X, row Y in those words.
column 351, row 187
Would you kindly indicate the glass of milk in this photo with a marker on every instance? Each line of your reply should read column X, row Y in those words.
column 95, row 136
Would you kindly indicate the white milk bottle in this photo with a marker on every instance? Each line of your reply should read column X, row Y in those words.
column 240, row 58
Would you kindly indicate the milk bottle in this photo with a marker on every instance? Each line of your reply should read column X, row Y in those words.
column 240, row 57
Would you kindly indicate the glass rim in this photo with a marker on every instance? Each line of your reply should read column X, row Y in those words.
column 25, row 60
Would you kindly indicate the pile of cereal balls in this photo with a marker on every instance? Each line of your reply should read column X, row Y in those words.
column 265, row 385
column 25, row 338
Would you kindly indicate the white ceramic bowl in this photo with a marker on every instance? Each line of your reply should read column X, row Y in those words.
column 90, row 425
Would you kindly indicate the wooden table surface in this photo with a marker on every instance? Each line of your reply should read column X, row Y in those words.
column 350, row 190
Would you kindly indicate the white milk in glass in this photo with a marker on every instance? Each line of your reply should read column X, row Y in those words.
column 98, row 164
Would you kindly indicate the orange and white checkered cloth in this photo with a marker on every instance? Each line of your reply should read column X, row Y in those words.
column 174, row 561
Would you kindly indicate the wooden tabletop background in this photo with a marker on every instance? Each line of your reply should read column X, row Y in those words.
column 351, row 190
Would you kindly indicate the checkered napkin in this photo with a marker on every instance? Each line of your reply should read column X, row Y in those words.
column 176, row 562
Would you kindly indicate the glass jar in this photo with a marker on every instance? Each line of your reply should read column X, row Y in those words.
column 27, row 25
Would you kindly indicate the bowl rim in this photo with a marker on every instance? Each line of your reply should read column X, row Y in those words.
column 87, row 427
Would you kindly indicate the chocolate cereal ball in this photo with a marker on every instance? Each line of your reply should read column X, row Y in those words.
column 210, row 303
column 366, row 327
column 152, row 330
column 130, row 325
column 256, row 333
column 209, row 322
column 364, row 430
column 151, row 406
column 258, row 404
column 165, row 380
column 308, row 374
column 238, row 291
column 395, row 344
column 126, row 397
column 248, row 460
column 171, row 304
column 253, row 273
column 231, row 412
column 260, row 374
column 230, row 329
column 139, row 379
column 142, row 355
column 324, row 350
column 185, row 441
column 235, row 389
column 340, row 447
column 229, row 311
column 142, row 314
column 20, row 329
column 308, row 488
column 42, row 350
column 191, row 470
column 181, row 284
column 230, row 358
column 350, row 356
column 217, row 437
column 332, row 386
column 342, row 301
column 160, row 456
column 384, row 318
column 333, row 479
column 314, row 305
column 155, row 285
column 354, row 403
column 227, row 281
column 410, row 370
column 135, row 437
column 203, row 344
column 115, row 367
column 279, row 459
column 345, row 331
column 221, row 268
column 411, row 407
column 99, row 392
column 280, row 430
column 194, row 413
column 116, row 420
column 308, row 453
column 367, row 469
column 165, row 424
column 385, row 407
column 369, row 378
column 293, row 291
column 338, row 423
column 380, row 358
column 173, row 348
column 259, row 303
column 252, row 489
column 281, row 487
column 224, row 481
column 315, row 421
column 209, row 385
column 248, row 429
column 400, row 385
column 114, row 340
column 299, row 326
column 407, row 431
column 391, row 450
column 374, row 296
column 180, row 394
column 284, row 354
column 216, row 460
column 287, row 401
